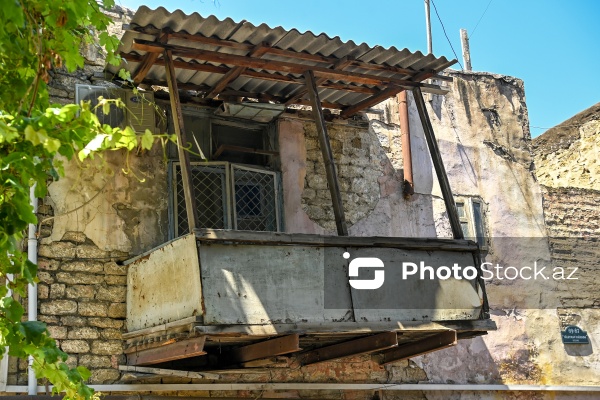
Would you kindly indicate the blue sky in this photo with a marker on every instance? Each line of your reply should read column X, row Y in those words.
column 552, row 45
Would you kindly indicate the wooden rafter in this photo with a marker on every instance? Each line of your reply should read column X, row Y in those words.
column 149, row 59
column 427, row 345
column 255, row 74
column 169, row 352
column 363, row 345
column 269, row 65
column 371, row 101
column 268, row 348
column 298, row 94
column 285, row 53
column 234, row 73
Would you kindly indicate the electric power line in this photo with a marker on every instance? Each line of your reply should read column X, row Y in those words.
column 480, row 18
column 447, row 38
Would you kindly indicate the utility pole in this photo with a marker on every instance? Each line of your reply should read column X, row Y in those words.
column 466, row 53
column 428, row 22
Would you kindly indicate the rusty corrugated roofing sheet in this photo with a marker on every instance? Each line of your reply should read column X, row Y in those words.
column 147, row 21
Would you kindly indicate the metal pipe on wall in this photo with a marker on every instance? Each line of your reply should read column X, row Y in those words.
column 408, row 186
column 32, row 255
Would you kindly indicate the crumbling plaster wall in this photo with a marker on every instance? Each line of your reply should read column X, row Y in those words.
column 483, row 133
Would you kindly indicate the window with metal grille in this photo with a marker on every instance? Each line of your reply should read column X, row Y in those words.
column 228, row 196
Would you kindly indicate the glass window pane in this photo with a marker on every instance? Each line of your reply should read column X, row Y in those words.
column 461, row 209
column 478, row 221
column 465, row 229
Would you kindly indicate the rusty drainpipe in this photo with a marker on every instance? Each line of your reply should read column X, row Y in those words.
column 408, row 187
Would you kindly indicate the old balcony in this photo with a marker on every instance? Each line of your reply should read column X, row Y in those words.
column 255, row 298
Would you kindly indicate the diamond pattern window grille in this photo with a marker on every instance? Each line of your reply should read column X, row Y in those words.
column 228, row 196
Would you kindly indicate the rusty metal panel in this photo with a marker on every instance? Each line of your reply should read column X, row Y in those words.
column 249, row 284
column 164, row 285
column 270, row 284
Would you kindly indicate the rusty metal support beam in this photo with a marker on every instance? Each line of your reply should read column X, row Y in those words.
column 332, row 178
column 268, row 348
column 369, row 344
column 436, row 159
column 427, row 345
column 174, row 351
column 182, row 143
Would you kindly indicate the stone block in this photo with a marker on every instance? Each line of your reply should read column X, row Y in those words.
column 112, row 268
column 57, row 291
column 43, row 291
column 107, row 347
column 75, row 346
column 91, row 251
column 72, row 320
column 92, row 361
column 47, row 265
column 104, row 375
column 81, row 292
column 57, row 332
column 79, row 278
column 75, row 237
column 111, row 333
column 93, row 309
column 57, row 250
column 58, row 307
column 112, row 293
column 117, row 310
column 84, row 332
column 106, row 323
column 83, row 266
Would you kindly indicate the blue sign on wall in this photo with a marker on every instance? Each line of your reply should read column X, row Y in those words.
column 574, row 335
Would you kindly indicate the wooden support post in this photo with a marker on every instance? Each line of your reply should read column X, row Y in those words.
column 182, row 144
column 174, row 351
column 466, row 53
column 440, row 171
column 268, row 348
column 332, row 179
column 427, row 345
column 369, row 344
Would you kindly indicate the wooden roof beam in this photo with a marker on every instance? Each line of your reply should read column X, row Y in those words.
column 371, row 101
column 265, row 349
column 270, row 65
column 169, row 352
column 148, row 61
column 427, row 345
column 298, row 94
column 234, row 73
column 369, row 344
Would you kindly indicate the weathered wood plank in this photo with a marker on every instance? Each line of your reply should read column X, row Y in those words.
column 184, row 157
column 275, row 238
column 268, row 348
column 427, row 345
column 174, row 351
column 481, row 325
column 332, row 179
column 438, row 164
column 363, row 345
column 169, row 372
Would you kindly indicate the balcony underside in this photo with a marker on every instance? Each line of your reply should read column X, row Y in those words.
column 223, row 300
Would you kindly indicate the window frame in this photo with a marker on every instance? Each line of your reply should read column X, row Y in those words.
column 469, row 218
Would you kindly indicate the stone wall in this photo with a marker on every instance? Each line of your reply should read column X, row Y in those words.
column 567, row 155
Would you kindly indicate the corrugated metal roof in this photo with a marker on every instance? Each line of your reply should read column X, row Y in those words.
column 147, row 21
